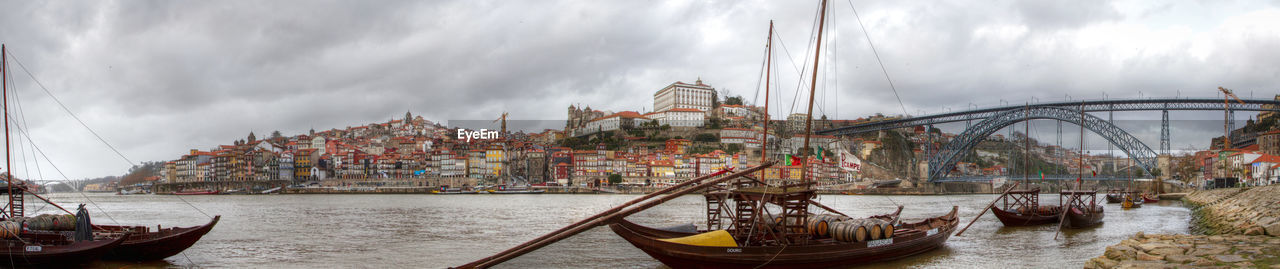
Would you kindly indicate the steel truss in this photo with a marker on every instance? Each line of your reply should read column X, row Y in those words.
column 941, row 164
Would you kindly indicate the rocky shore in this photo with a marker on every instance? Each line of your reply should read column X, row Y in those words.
column 1240, row 228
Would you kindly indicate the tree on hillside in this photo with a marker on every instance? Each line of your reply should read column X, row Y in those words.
column 706, row 138
column 733, row 100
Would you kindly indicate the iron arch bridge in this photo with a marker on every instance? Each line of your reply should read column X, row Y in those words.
column 942, row 163
column 1088, row 106
column 999, row 117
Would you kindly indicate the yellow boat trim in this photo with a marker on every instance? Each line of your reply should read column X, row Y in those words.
column 717, row 238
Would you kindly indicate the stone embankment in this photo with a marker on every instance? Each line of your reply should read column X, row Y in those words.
column 1190, row 251
column 1241, row 228
column 1253, row 211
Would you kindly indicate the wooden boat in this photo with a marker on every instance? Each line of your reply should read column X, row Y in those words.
column 453, row 191
column 1082, row 210
column 53, row 249
column 87, row 242
column 1131, row 199
column 1150, row 198
column 34, row 248
column 1025, row 209
column 909, row 239
column 143, row 244
column 203, row 192
column 517, row 191
column 1114, row 197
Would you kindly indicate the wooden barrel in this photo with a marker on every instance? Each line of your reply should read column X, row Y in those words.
column 818, row 226
column 51, row 222
column 848, row 231
column 10, row 229
column 875, row 228
column 838, row 231
column 888, row 229
column 777, row 224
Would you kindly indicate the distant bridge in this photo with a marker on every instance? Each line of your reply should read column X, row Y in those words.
column 1051, row 178
column 75, row 184
column 993, row 119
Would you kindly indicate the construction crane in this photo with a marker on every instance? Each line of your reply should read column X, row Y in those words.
column 503, row 118
column 1226, row 116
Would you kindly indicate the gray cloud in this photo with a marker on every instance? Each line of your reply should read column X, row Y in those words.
column 159, row 77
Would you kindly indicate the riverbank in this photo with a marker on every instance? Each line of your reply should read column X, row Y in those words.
column 1238, row 227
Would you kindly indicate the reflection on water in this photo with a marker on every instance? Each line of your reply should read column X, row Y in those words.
column 307, row 231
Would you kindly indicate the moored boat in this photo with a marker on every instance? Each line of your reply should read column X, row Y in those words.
column 196, row 192
column 909, row 239
column 141, row 243
column 50, row 249
column 1022, row 208
column 1131, row 199
column 1150, row 198
column 1114, row 197
column 1082, row 210
column 57, row 241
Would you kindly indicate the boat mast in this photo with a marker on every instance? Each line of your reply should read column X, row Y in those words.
column 1026, row 145
column 8, row 165
column 768, row 70
column 1080, row 171
column 813, row 84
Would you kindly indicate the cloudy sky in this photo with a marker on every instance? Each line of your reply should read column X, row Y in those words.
column 156, row 78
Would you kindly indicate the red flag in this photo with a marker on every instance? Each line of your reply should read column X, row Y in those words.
column 1095, row 173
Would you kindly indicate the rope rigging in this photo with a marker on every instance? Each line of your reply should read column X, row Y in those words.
column 86, row 126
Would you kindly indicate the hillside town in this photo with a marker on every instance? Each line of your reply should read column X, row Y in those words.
column 692, row 131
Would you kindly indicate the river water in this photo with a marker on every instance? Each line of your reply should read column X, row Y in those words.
column 435, row 231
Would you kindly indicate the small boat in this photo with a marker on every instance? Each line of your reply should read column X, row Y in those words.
column 198, row 192
column 1131, row 200
column 1114, row 197
column 272, row 190
column 1082, row 210
column 516, row 190
column 1025, row 209
column 1150, row 198
column 141, row 243
column 453, row 191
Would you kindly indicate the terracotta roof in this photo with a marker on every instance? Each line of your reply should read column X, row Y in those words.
column 1267, row 159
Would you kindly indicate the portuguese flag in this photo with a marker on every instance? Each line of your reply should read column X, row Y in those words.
column 789, row 160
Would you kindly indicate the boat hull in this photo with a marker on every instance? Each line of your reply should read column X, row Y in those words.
column 1114, row 198
column 1077, row 218
column 819, row 255
column 56, row 255
column 519, row 192
column 159, row 244
column 1018, row 219
column 196, row 193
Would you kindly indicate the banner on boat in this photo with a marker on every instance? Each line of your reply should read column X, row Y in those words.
column 848, row 161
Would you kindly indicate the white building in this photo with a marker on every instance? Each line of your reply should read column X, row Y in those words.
column 620, row 120
column 318, row 143
column 679, row 117
column 681, row 95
